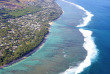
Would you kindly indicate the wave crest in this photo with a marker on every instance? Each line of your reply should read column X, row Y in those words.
column 89, row 44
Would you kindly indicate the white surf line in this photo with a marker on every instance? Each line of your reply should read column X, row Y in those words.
column 89, row 44
column 85, row 19
column 91, row 49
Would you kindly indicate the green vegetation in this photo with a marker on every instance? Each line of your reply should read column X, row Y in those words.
column 6, row 13
column 9, row 56
column 27, row 10
column 20, row 33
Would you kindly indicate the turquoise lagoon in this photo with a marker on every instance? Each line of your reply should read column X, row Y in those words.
column 62, row 49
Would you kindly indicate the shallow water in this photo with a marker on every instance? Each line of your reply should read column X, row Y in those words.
column 63, row 47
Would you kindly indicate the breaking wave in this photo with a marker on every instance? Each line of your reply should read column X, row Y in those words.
column 89, row 44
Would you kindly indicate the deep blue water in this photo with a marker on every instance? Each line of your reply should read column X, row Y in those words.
column 100, row 25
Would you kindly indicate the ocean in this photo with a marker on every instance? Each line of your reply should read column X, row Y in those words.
column 78, row 42
column 100, row 27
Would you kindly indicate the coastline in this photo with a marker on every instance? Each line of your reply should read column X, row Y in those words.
column 77, row 31
column 42, row 43
column 50, row 23
column 30, row 34
column 30, row 53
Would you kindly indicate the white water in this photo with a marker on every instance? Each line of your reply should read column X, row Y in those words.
column 89, row 44
column 90, row 47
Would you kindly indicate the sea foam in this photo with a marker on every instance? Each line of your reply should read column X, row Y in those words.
column 90, row 47
column 85, row 19
column 89, row 44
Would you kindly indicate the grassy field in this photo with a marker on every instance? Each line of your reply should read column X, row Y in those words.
column 6, row 13
column 27, row 10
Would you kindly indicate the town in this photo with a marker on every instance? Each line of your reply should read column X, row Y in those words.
column 21, row 30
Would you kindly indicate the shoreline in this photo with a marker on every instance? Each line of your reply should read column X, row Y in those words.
column 81, row 66
column 36, row 49
column 30, row 53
